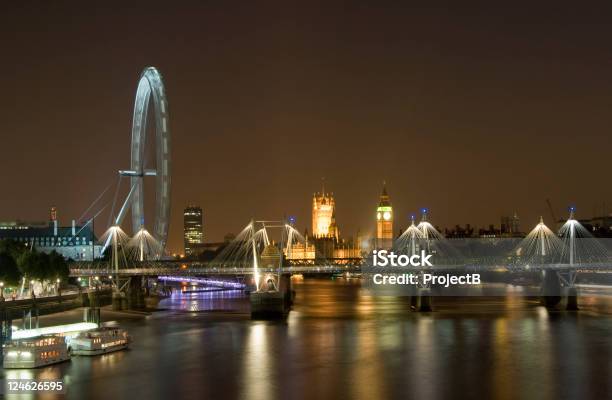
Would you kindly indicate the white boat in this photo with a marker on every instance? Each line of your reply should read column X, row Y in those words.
column 99, row 341
column 35, row 352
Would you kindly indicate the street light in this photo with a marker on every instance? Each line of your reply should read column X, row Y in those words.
column 1, row 290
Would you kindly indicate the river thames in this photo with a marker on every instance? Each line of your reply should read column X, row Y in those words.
column 339, row 342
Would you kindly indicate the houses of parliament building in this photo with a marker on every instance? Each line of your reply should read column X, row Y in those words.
column 325, row 241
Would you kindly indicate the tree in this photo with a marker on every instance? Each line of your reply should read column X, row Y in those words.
column 12, row 247
column 40, row 266
column 9, row 272
column 34, row 265
column 58, row 267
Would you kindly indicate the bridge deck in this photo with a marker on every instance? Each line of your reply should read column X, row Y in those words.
column 201, row 269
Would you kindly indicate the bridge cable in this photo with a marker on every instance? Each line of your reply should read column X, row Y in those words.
column 112, row 213
column 94, row 203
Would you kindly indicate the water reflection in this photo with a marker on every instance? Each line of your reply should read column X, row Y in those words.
column 257, row 369
column 340, row 342
column 195, row 301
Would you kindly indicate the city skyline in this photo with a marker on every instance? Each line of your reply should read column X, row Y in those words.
column 294, row 199
column 261, row 109
column 370, row 231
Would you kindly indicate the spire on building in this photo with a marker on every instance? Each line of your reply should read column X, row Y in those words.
column 384, row 197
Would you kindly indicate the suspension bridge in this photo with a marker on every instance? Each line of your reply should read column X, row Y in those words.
column 263, row 252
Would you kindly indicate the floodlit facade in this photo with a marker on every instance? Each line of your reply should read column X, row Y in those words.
column 325, row 240
column 323, row 215
column 301, row 251
column 76, row 242
column 384, row 221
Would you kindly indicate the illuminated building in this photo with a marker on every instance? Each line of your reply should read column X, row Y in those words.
column 324, row 228
column 324, row 248
column 302, row 251
column 270, row 257
column 193, row 233
column 324, row 215
column 325, row 241
column 76, row 242
column 384, row 221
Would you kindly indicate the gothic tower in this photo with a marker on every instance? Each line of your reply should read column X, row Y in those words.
column 323, row 215
column 384, row 221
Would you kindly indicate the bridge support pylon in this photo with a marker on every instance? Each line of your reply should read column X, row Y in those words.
column 135, row 294
column 91, row 313
column 119, row 301
column 424, row 300
column 572, row 299
column 273, row 299
column 551, row 289
column 558, row 286
column 130, row 295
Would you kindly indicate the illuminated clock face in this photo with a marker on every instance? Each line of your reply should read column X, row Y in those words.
column 387, row 215
column 377, row 215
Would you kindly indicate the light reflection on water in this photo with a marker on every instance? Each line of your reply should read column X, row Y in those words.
column 217, row 300
column 341, row 343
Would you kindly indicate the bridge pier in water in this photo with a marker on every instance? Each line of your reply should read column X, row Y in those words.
column 132, row 297
column 135, row 294
column 572, row 299
column 424, row 300
column 91, row 303
column 274, row 297
column 119, row 301
column 556, row 287
column 91, row 314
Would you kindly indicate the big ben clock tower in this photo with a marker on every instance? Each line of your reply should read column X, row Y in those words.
column 384, row 221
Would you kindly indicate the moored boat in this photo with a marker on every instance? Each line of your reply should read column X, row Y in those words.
column 99, row 341
column 35, row 352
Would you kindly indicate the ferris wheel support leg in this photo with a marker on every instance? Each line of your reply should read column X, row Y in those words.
column 126, row 204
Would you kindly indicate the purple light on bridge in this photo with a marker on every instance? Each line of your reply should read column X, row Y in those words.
column 203, row 281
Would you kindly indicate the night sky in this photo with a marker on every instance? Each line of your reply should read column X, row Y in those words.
column 472, row 111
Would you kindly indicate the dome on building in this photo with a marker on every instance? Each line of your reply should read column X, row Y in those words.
column 270, row 256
